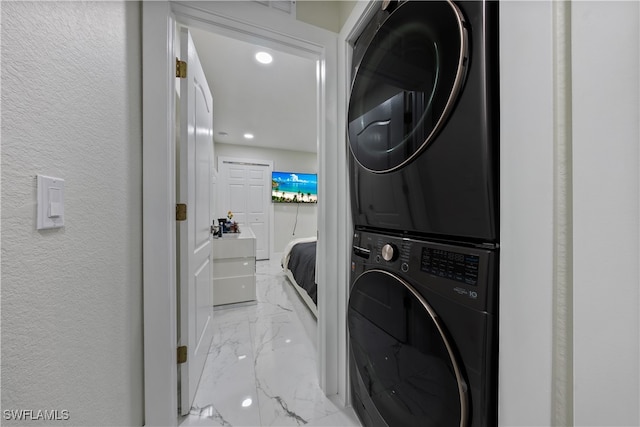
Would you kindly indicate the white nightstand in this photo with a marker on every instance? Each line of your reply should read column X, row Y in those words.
column 234, row 267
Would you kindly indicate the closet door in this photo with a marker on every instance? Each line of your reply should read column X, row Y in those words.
column 245, row 190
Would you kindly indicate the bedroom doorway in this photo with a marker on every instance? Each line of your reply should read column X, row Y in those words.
column 244, row 177
column 267, row 103
column 159, row 23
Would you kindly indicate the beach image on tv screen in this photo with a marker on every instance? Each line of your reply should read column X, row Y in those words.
column 291, row 187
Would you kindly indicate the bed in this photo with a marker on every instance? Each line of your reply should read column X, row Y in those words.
column 299, row 265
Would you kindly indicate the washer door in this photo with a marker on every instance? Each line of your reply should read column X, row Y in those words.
column 406, row 84
column 402, row 354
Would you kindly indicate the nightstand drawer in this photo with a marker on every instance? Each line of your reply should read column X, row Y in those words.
column 234, row 289
column 234, row 267
column 230, row 247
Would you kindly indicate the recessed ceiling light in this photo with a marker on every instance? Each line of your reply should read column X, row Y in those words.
column 248, row 135
column 264, row 58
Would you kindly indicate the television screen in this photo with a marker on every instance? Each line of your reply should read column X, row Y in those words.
column 292, row 187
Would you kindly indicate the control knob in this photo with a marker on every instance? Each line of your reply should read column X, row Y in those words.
column 389, row 252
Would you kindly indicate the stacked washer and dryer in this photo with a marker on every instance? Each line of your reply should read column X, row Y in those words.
column 423, row 133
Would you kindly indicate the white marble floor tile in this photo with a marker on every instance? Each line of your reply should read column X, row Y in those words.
column 288, row 389
column 261, row 369
column 303, row 313
column 345, row 417
column 279, row 330
column 227, row 392
column 234, row 313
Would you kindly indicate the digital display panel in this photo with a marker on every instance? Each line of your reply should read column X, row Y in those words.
column 450, row 265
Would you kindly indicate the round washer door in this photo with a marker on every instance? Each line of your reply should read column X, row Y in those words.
column 402, row 354
column 406, row 84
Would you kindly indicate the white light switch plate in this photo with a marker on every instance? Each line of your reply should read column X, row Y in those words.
column 50, row 202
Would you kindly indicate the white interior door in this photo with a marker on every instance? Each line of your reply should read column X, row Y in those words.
column 194, row 188
column 247, row 193
column 259, row 184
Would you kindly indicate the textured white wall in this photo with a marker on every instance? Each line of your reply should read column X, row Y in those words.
column 293, row 221
column 599, row 371
column 284, row 215
column 330, row 15
column 72, row 297
column 526, row 213
column 283, row 160
column 606, row 204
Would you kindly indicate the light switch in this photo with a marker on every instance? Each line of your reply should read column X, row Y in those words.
column 55, row 205
column 50, row 202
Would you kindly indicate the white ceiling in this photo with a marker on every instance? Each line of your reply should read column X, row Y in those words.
column 275, row 102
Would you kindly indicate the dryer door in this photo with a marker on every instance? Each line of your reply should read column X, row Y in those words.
column 406, row 83
column 404, row 361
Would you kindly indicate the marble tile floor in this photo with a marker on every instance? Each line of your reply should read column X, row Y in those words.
column 261, row 368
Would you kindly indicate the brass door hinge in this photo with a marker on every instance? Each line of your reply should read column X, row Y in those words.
column 181, row 212
column 181, row 69
column 182, row 354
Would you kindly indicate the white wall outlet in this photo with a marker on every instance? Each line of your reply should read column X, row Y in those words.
column 50, row 202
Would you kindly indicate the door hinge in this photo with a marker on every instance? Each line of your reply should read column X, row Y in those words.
column 181, row 212
column 181, row 69
column 182, row 354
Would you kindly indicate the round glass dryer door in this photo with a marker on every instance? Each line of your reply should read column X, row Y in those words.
column 406, row 84
column 402, row 354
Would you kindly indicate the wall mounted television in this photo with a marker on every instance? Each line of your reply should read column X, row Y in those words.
column 294, row 187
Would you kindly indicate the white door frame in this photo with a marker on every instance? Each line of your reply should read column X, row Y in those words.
column 158, row 215
column 159, row 20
